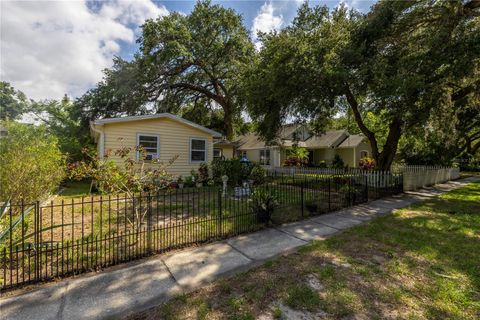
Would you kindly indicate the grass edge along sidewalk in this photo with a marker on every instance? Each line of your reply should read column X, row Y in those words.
column 418, row 263
column 136, row 287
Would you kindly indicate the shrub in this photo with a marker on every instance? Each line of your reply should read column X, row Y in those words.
column 311, row 206
column 31, row 163
column 189, row 181
column 296, row 157
column 322, row 164
column 366, row 163
column 258, row 174
column 263, row 204
column 130, row 178
column 232, row 168
column 203, row 175
column 337, row 162
column 294, row 161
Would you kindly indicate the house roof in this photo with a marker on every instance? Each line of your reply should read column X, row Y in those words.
column 330, row 139
column 352, row 141
column 101, row 122
column 249, row 141
column 223, row 142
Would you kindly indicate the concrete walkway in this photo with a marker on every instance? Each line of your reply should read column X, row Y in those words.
column 126, row 289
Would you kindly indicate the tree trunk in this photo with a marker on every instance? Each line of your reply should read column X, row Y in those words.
column 228, row 121
column 385, row 158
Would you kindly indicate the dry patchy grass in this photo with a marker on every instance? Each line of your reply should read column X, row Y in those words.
column 419, row 263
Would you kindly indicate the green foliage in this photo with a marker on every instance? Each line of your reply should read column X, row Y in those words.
column 13, row 103
column 133, row 177
column 311, row 205
column 386, row 64
column 263, row 204
column 322, row 164
column 203, row 174
column 31, row 163
column 119, row 93
column 232, row 168
column 296, row 157
column 59, row 120
column 196, row 59
column 258, row 174
column 337, row 162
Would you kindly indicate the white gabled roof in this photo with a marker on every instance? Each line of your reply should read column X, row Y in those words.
column 158, row 116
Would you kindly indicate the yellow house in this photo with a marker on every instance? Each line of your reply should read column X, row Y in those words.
column 163, row 136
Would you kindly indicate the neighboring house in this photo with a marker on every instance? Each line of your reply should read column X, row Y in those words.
column 223, row 149
column 163, row 136
column 324, row 147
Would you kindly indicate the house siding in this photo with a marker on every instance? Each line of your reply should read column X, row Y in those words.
column 174, row 138
column 227, row 151
column 347, row 155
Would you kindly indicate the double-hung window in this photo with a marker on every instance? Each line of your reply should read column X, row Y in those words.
column 198, row 150
column 150, row 145
column 265, row 157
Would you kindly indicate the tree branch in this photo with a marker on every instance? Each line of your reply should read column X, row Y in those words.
column 358, row 118
column 462, row 93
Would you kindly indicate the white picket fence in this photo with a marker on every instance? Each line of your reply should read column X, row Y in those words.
column 415, row 177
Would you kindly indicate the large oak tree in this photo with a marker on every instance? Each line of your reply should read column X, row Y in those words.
column 185, row 61
column 197, row 57
column 402, row 61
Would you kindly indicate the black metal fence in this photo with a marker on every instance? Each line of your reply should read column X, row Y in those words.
column 40, row 242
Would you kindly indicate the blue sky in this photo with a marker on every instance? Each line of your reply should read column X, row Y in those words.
column 52, row 48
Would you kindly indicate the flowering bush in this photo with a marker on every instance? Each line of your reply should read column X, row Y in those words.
column 131, row 178
column 296, row 157
column 294, row 161
column 366, row 163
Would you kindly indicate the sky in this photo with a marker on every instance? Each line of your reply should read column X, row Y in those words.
column 52, row 48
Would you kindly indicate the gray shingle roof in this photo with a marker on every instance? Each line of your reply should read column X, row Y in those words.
column 330, row 139
column 352, row 141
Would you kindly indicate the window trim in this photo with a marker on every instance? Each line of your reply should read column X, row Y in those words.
column 360, row 154
column 220, row 153
column 147, row 135
column 190, row 150
column 265, row 156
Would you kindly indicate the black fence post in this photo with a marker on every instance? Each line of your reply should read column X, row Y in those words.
column 149, row 223
column 36, row 239
column 219, row 216
column 329, row 195
column 302, row 196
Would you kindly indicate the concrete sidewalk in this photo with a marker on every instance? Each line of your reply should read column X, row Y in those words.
column 126, row 289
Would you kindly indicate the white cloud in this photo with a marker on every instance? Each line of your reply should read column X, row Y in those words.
column 266, row 20
column 52, row 48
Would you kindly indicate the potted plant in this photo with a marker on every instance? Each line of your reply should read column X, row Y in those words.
column 196, row 179
column 263, row 204
column 311, row 206
column 351, row 193
column 180, row 182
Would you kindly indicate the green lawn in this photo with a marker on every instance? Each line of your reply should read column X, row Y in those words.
column 422, row 262
column 73, row 189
